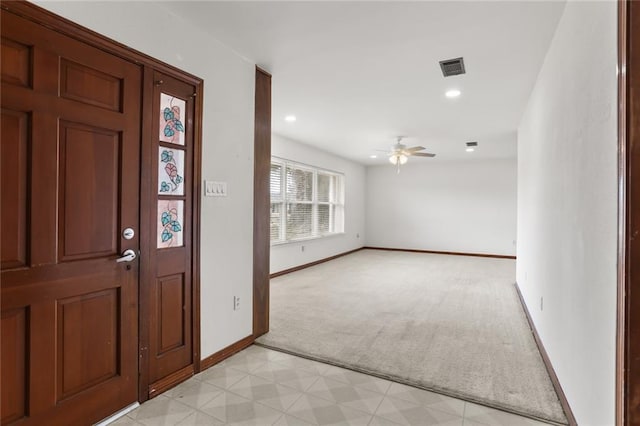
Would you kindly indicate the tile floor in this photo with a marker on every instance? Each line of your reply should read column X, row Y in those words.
column 260, row 387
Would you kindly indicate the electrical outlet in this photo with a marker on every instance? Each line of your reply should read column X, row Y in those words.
column 541, row 303
column 236, row 303
column 357, row 235
column 302, row 248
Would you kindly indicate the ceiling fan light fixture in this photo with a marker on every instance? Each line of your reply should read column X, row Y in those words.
column 398, row 158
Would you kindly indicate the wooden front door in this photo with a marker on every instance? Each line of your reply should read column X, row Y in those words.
column 70, row 149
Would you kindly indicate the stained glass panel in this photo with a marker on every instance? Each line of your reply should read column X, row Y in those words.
column 172, row 116
column 170, row 223
column 170, row 171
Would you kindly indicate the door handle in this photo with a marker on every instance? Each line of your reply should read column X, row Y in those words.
column 127, row 256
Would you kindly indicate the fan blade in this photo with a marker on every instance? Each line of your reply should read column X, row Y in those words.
column 423, row 154
column 415, row 148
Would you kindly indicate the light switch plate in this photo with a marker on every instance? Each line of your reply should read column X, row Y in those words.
column 215, row 189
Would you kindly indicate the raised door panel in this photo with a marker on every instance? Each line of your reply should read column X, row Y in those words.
column 87, row 85
column 14, row 143
column 14, row 359
column 87, row 341
column 16, row 59
column 89, row 173
column 171, row 316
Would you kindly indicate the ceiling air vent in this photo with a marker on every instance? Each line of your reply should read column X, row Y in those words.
column 452, row 67
column 472, row 143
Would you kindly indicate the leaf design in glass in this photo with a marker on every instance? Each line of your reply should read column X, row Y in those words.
column 168, row 131
column 166, row 218
column 171, row 170
column 168, row 114
column 164, row 187
column 166, row 235
column 178, row 179
column 167, row 156
column 178, row 125
column 175, row 226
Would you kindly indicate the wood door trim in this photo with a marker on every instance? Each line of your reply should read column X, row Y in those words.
column 146, row 210
column 77, row 32
column 195, row 223
column 453, row 253
column 261, row 202
column 547, row 363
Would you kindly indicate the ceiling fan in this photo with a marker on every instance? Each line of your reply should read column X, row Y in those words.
column 400, row 154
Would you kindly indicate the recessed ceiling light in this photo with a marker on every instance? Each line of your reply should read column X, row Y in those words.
column 373, row 156
column 290, row 118
column 469, row 149
column 453, row 93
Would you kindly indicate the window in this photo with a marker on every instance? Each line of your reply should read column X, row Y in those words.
column 306, row 202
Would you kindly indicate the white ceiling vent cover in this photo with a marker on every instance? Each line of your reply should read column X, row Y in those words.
column 452, row 67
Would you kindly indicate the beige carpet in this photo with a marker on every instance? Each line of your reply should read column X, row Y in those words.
column 452, row 324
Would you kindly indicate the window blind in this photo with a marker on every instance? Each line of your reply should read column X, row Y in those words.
column 306, row 202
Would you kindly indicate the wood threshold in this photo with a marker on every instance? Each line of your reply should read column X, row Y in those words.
column 547, row 363
column 454, row 253
column 317, row 262
column 170, row 381
column 225, row 353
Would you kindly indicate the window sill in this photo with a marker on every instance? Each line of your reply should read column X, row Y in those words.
column 301, row 240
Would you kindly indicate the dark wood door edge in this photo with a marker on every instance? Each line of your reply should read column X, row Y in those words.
column 146, row 219
column 547, row 363
column 225, row 353
column 317, row 262
column 196, row 213
column 455, row 253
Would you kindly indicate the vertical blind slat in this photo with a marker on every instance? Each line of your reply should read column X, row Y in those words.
column 311, row 205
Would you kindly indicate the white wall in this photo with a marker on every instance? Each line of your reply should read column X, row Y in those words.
column 285, row 256
column 227, row 223
column 462, row 206
column 567, row 207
